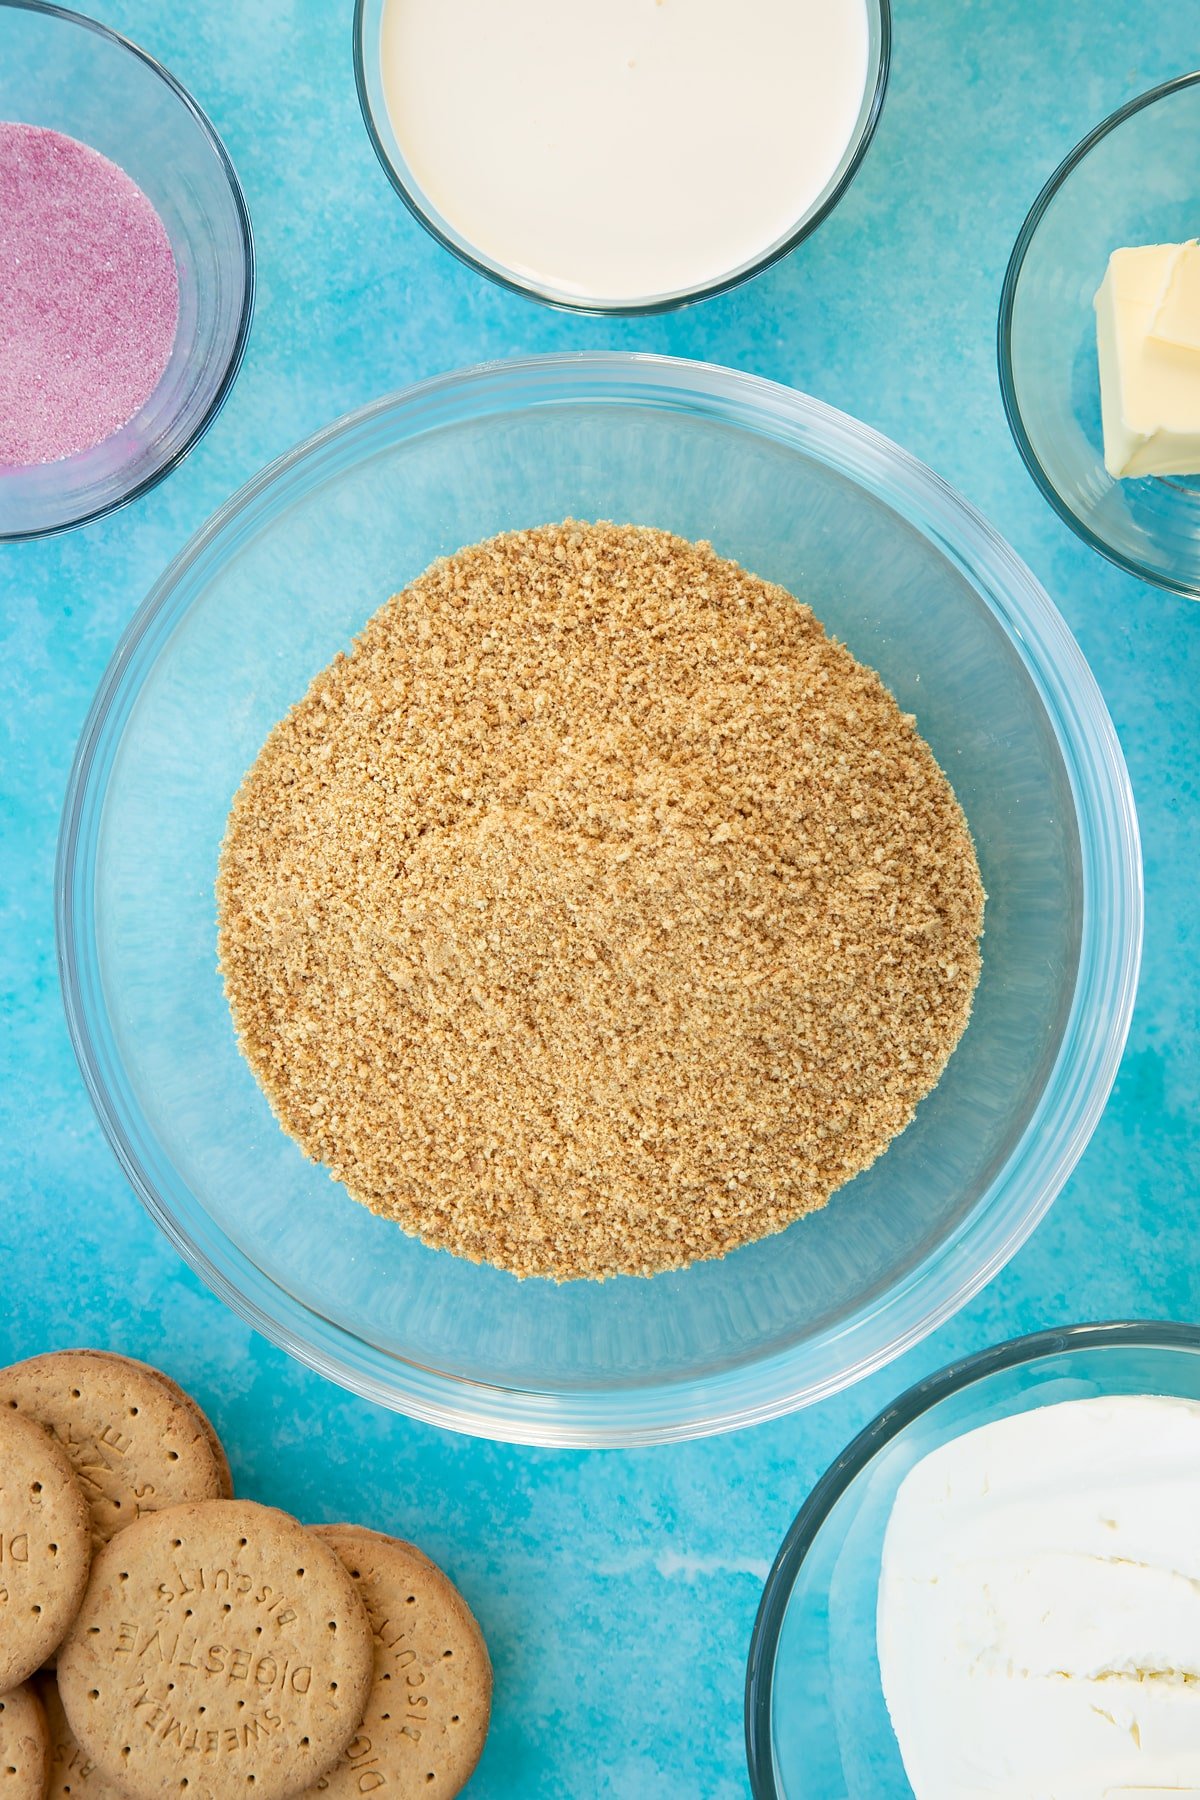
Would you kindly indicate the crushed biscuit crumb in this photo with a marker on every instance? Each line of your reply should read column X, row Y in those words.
column 597, row 912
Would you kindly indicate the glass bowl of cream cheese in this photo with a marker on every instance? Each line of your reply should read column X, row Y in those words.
column 621, row 156
column 996, row 1588
column 1133, row 183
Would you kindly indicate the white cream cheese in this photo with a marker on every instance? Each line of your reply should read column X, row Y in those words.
column 1148, row 340
column 1039, row 1607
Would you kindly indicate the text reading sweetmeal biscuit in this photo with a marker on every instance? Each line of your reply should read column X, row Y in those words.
column 427, row 1717
column 221, row 1651
column 24, row 1746
column 136, row 1443
column 45, row 1546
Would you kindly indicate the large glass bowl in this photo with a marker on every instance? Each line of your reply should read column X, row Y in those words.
column 898, row 567
column 1134, row 180
column 65, row 72
column 817, row 1726
column 368, row 74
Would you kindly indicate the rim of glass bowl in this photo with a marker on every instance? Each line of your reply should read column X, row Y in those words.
column 634, row 309
column 1075, row 1090
column 238, row 351
column 1008, row 295
column 883, row 1429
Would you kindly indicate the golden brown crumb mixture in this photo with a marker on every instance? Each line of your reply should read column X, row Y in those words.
column 597, row 912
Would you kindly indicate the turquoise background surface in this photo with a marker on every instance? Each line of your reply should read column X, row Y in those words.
column 617, row 1590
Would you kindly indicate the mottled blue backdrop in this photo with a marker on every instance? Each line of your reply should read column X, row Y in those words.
column 617, row 1591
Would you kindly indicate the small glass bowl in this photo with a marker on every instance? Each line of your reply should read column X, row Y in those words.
column 901, row 570
column 64, row 72
column 1134, row 180
column 817, row 1725
column 368, row 75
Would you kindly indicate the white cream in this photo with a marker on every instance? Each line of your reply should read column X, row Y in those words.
column 1039, row 1607
column 619, row 150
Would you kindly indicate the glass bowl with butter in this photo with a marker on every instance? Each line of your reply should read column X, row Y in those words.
column 912, row 581
column 995, row 1587
column 1100, row 352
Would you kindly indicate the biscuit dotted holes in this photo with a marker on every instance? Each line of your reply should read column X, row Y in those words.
column 304, row 1743
column 35, row 1487
column 454, row 1718
column 411, row 1601
column 226, row 1606
column 446, row 1654
column 173, row 1455
column 177, row 1543
column 75, row 1395
column 333, row 1624
column 93, row 1693
column 133, row 1412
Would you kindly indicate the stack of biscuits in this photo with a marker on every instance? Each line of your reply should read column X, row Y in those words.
column 160, row 1638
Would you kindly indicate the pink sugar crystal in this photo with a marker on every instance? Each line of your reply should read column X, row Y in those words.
column 89, row 297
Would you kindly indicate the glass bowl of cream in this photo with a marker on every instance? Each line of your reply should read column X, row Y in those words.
column 621, row 156
column 1132, row 182
column 994, row 1590
column 902, row 571
column 93, row 128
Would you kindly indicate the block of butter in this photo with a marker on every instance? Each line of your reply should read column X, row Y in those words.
column 1148, row 337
